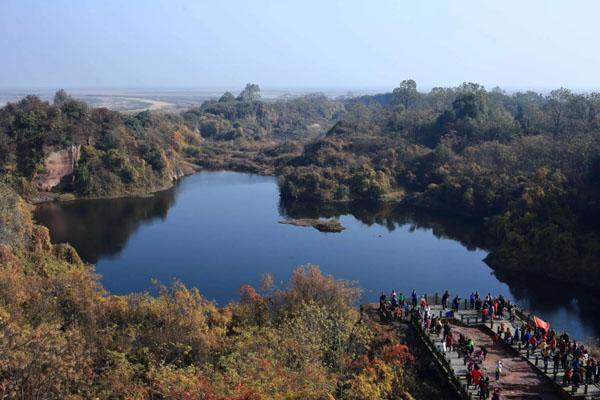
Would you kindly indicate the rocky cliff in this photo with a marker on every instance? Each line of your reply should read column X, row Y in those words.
column 57, row 165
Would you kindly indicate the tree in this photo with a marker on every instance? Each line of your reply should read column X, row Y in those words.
column 60, row 97
column 250, row 93
column 468, row 106
column 227, row 97
column 556, row 106
column 406, row 95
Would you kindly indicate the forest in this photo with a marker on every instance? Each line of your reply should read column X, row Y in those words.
column 525, row 163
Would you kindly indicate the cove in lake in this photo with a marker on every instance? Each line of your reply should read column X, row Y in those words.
column 219, row 230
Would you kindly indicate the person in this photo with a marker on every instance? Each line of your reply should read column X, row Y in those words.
column 394, row 298
column 484, row 351
column 423, row 303
column 476, row 375
column 484, row 313
column 589, row 371
column 496, row 394
column 470, row 346
column 576, row 379
column 498, row 369
column 455, row 303
column 484, row 388
column 508, row 338
column 414, row 297
column 564, row 359
column 445, row 330
column 567, row 376
column 495, row 338
column 438, row 327
column 382, row 300
column 449, row 341
column 472, row 300
column 556, row 360
column 445, row 297
column 401, row 299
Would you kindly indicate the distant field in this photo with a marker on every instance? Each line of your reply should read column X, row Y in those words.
column 164, row 100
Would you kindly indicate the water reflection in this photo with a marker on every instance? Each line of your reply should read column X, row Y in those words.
column 392, row 216
column 100, row 228
column 222, row 232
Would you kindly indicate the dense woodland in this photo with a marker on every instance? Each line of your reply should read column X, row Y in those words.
column 527, row 164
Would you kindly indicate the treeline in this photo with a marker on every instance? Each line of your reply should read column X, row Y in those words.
column 529, row 162
column 247, row 117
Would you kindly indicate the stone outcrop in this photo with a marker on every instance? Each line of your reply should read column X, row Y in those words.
column 58, row 164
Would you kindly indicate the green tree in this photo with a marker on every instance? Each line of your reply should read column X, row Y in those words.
column 250, row 93
column 406, row 95
column 226, row 97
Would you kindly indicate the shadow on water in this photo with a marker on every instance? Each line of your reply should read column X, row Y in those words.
column 101, row 228
column 392, row 216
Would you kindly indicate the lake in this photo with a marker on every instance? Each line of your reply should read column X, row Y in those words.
column 219, row 230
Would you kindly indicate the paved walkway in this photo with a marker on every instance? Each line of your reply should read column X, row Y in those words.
column 522, row 378
column 519, row 379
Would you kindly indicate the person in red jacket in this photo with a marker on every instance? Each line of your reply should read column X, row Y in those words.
column 449, row 341
column 533, row 342
column 484, row 314
column 476, row 376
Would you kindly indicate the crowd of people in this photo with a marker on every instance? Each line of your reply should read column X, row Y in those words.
column 577, row 362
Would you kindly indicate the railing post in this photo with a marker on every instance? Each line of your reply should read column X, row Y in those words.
column 462, row 318
column 585, row 389
column 528, row 353
column 492, row 322
column 465, row 304
column 519, row 347
column 536, row 361
column 436, row 299
column 440, row 313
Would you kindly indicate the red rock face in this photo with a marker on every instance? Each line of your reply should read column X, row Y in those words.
column 57, row 165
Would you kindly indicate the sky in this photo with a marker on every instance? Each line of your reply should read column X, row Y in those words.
column 351, row 44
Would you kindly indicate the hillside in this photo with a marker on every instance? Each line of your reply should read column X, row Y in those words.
column 525, row 162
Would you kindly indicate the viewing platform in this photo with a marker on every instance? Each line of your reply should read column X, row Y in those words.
column 524, row 374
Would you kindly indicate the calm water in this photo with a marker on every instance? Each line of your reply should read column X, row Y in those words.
column 219, row 230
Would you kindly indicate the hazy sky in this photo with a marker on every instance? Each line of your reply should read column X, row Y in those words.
column 303, row 43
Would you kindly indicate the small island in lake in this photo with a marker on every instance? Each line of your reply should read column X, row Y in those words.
column 322, row 225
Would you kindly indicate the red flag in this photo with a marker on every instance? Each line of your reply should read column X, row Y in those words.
column 540, row 323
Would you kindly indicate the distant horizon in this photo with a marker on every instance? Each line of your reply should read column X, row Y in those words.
column 297, row 88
